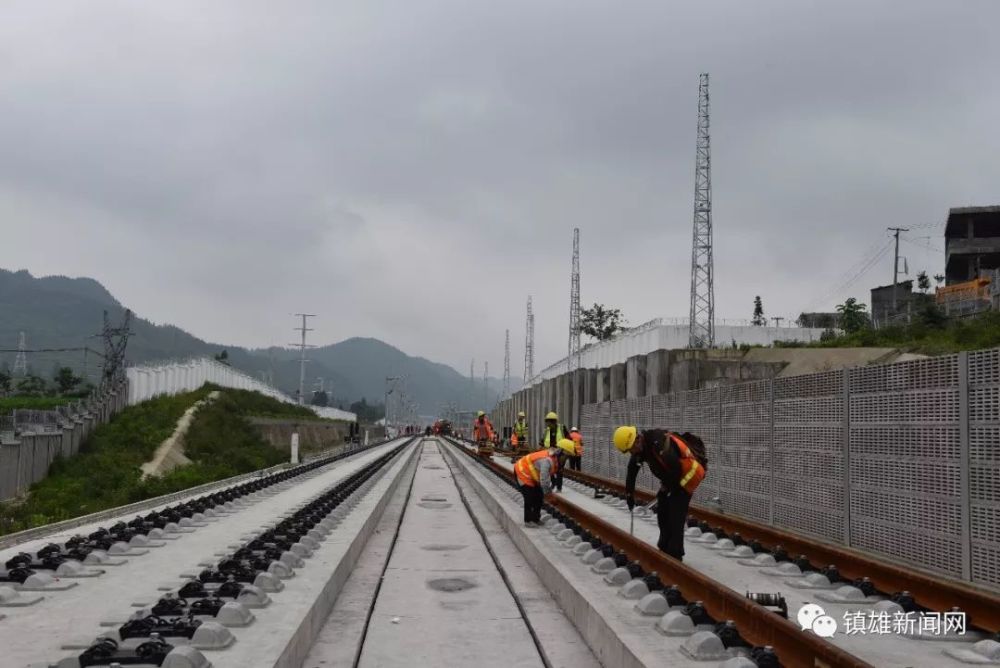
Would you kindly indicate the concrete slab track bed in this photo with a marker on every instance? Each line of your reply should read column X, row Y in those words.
column 413, row 553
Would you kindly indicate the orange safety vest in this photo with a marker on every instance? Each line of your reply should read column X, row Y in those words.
column 513, row 440
column 482, row 430
column 527, row 472
column 692, row 471
column 578, row 442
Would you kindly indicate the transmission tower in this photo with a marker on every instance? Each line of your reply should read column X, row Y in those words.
column 21, row 361
column 115, row 342
column 302, row 356
column 573, row 358
column 529, row 344
column 702, row 320
column 506, row 366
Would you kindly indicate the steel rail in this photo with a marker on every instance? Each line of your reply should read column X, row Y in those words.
column 933, row 592
column 756, row 624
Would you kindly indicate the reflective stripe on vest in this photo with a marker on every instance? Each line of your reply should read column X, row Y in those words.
column 521, row 429
column 526, row 470
column 692, row 472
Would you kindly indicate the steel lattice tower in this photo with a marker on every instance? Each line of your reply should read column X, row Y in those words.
column 529, row 344
column 21, row 361
column 573, row 356
column 702, row 320
column 506, row 366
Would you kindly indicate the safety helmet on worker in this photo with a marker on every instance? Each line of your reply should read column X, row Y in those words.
column 624, row 437
column 521, row 414
column 480, row 414
column 551, row 415
column 567, row 446
column 572, row 429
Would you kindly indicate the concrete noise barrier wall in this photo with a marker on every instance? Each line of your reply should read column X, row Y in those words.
column 26, row 454
column 899, row 460
column 148, row 381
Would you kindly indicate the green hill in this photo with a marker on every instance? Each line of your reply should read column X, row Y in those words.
column 61, row 312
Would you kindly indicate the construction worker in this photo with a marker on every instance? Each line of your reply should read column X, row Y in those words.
column 577, row 438
column 482, row 428
column 680, row 462
column 535, row 477
column 554, row 432
column 520, row 430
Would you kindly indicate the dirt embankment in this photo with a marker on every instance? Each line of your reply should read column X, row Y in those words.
column 313, row 435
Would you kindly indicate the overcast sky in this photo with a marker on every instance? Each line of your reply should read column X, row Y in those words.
column 412, row 170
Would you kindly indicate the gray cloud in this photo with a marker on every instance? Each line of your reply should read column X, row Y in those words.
column 412, row 171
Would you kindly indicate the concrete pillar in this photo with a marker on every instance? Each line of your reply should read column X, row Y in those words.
column 616, row 375
column 635, row 377
column 602, row 390
column 9, row 453
column 66, row 446
column 658, row 373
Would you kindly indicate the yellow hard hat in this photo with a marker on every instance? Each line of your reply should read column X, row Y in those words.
column 520, row 414
column 551, row 415
column 480, row 414
column 624, row 438
column 567, row 446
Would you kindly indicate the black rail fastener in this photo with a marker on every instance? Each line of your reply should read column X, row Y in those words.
column 764, row 657
column 770, row 601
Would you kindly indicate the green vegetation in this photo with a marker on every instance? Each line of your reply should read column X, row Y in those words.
column 601, row 323
column 105, row 474
column 34, row 403
column 932, row 335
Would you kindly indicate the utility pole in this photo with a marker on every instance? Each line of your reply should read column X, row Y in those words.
column 529, row 344
column 388, row 391
column 506, row 366
column 895, row 264
column 486, row 384
column 777, row 321
column 302, row 358
column 573, row 356
column 702, row 321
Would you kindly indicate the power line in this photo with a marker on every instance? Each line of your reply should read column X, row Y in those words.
column 860, row 269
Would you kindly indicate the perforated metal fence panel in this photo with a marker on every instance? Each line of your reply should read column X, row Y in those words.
column 900, row 460
column 984, row 465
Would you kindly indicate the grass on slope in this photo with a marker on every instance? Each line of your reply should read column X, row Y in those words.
column 950, row 337
column 105, row 474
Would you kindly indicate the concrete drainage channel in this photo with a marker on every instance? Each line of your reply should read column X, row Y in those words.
column 609, row 625
column 217, row 597
column 197, row 617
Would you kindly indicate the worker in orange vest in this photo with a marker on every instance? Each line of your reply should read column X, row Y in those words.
column 482, row 428
column 577, row 438
column 680, row 462
column 535, row 474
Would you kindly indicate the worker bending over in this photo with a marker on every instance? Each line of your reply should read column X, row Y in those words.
column 535, row 475
column 554, row 432
column 680, row 462
column 577, row 438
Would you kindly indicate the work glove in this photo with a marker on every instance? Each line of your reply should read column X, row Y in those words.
column 630, row 500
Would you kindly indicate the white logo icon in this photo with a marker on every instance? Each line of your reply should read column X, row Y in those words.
column 814, row 618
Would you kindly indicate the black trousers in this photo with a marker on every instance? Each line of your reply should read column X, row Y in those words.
column 574, row 463
column 671, row 516
column 532, row 502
